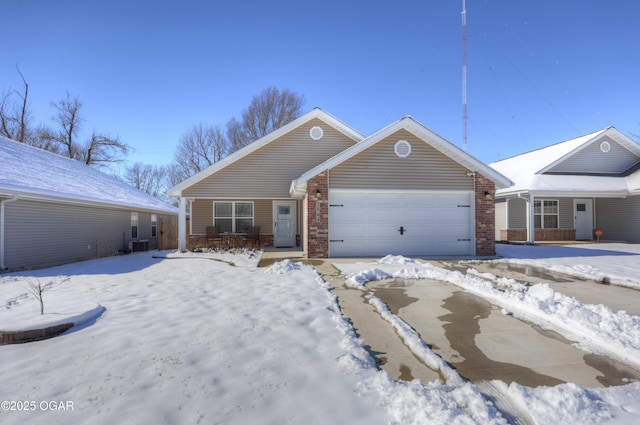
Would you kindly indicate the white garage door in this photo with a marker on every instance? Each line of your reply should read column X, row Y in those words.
column 411, row 224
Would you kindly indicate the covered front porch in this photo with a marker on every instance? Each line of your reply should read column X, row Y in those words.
column 531, row 218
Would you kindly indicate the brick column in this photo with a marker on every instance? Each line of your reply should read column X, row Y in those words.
column 317, row 241
column 485, row 216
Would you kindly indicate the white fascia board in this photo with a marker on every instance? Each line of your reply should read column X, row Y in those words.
column 254, row 146
column 562, row 194
column 424, row 133
column 36, row 195
column 460, row 156
column 589, row 139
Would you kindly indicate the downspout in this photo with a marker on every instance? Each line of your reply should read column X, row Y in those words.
column 2, row 232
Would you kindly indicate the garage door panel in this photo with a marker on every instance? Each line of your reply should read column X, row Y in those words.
column 378, row 214
column 350, row 232
column 452, row 232
column 368, row 223
column 454, row 215
column 415, row 215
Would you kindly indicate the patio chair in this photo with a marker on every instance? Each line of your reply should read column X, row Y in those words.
column 212, row 235
column 253, row 236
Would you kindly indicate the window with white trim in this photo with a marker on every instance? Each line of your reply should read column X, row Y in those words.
column 546, row 214
column 134, row 225
column 233, row 217
column 154, row 225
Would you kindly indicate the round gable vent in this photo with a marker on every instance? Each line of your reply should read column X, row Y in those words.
column 605, row 147
column 402, row 148
column 316, row 133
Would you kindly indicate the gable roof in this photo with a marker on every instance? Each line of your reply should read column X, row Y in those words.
column 32, row 173
column 531, row 171
column 298, row 186
column 252, row 147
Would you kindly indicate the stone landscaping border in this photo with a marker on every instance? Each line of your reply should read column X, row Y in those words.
column 20, row 337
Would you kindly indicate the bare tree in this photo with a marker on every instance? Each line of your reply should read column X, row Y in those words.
column 15, row 117
column 148, row 178
column 68, row 118
column 36, row 291
column 267, row 112
column 197, row 149
column 98, row 150
column 202, row 145
column 103, row 150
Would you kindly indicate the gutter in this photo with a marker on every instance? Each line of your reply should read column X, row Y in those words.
column 297, row 190
column 2, row 232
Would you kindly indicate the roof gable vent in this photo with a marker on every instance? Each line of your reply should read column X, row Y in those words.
column 605, row 146
column 316, row 133
column 402, row 148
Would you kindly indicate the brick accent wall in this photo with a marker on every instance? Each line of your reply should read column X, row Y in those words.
column 520, row 235
column 485, row 216
column 317, row 215
column 195, row 242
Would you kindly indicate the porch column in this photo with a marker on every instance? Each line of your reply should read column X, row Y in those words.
column 182, row 225
column 531, row 228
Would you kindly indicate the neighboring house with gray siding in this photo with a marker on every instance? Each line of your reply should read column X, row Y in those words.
column 55, row 210
column 318, row 184
column 568, row 190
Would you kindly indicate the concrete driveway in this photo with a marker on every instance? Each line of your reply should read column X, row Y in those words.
column 475, row 337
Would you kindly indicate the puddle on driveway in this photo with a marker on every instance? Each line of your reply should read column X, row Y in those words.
column 483, row 344
column 586, row 291
column 531, row 272
column 514, row 271
column 462, row 325
column 395, row 299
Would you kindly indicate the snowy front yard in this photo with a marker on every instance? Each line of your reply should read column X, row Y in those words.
column 202, row 340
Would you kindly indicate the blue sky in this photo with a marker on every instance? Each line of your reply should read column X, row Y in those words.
column 539, row 72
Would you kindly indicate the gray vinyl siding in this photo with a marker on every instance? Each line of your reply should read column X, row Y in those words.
column 619, row 218
column 501, row 216
column 202, row 214
column 517, row 214
column 40, row 234
column 565, row 209
column 378, row 167
column 592, row 160
column 269, row 171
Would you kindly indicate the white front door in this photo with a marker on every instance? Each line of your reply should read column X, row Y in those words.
column 284, row 223
column 583, row 218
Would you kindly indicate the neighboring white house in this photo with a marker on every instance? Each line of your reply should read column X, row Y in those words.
column 569, row 190
column 55, row 210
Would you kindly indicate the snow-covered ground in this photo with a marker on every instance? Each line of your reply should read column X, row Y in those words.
column 211, row 338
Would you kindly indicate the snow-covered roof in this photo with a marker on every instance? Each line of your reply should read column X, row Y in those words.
column 34, row 173
column 527, row 170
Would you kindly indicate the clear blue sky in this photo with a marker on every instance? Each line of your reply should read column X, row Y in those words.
column 539, row 72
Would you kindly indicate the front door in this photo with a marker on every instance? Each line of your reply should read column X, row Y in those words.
column 284, row 223
column 583, row 218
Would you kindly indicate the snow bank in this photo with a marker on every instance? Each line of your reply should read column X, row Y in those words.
column 596, row 327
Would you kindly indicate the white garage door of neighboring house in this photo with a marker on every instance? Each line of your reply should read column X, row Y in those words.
column 377, row 223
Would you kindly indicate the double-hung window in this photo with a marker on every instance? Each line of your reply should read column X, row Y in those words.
column 154, row 225
column 545, row 213
column 234, row 217
column 134, row 225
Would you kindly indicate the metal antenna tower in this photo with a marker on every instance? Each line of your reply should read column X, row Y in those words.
column 464, row 75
